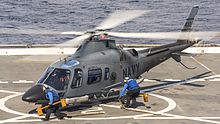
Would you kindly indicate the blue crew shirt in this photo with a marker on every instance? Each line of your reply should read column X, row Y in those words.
column 52, row 96
column 130, row 85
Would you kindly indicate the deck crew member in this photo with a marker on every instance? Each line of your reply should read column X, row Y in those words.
column 133, row 91
column 53, row 97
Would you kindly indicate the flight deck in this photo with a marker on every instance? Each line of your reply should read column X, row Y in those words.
column 196, row 100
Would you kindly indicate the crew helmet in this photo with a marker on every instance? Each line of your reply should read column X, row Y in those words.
column 126, row 79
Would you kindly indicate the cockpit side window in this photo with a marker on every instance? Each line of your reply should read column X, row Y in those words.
column 58, row 79
column 77, row 78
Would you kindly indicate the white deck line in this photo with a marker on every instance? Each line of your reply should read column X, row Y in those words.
column 22, row 81
column 68, row 51
column 3, row 82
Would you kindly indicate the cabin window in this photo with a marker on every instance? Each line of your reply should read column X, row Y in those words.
column 77, row 78
column 107, row 73
column 94, row 76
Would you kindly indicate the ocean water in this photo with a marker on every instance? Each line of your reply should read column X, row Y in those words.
column 81, row 15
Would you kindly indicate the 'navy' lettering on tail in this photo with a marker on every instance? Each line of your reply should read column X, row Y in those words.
column 131, row 70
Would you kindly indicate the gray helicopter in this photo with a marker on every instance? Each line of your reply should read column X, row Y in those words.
column 98, row 65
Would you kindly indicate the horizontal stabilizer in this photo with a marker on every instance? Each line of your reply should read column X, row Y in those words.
column 184, row 54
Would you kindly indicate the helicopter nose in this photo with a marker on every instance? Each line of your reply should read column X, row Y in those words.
column 34, row 94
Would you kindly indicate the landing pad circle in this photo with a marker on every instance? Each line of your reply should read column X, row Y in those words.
column 171, row 106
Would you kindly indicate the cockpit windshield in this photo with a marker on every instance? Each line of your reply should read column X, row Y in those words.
column 58, row 79
column 45, row 75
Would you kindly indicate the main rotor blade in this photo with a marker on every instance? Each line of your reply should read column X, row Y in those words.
column 74, row 42
column 40, row 32
column 209, row 35
column 73, row 32
column 71, row 43
column 40, row 58
column 119, row 17
column 27, row 31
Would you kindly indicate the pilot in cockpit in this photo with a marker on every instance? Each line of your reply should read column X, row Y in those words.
column 64, row 78
column 58, row 79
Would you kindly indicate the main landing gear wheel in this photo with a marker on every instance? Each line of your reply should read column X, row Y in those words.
column 126, row 101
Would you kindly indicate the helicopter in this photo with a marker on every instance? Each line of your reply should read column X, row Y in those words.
column 99, row 65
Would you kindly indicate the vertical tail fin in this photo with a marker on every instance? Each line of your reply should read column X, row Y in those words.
column 189, row 21
column 187, row 27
